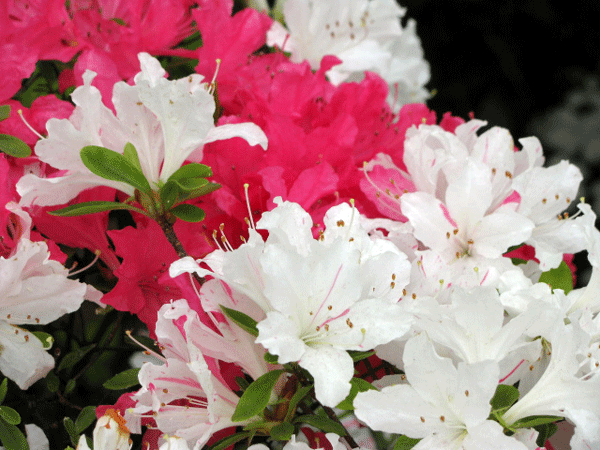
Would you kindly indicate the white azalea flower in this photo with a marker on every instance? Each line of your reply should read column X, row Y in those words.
column 443, row 406
column 488, row 337
column 321, row 297
column 364, row 35
column 295, row 444
column 33, row 290
column 562, row 390
column 545, row 193
column 167, row 122
column 185, row 396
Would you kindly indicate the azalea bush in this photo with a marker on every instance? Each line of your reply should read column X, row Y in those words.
column 248, row 230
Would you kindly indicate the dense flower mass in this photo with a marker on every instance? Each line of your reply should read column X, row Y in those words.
column 307, row 256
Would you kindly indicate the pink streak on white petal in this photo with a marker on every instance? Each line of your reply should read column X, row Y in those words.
column 447, row 215
column 328, row 293
column 512, row 371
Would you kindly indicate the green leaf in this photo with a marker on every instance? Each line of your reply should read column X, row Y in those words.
column 72, row 358
column 256, row 398
column 83, row 208
column 3, row 389
column 296, row 398
column 190, row 193
column 242, row 383
column 545, row 432
column 111, row 165
column 123, row 380
column 559, row 278
column 71, row 430
column 359, row 356
column 14, row 146
column 229, row 441
column 70, row 386
column 130, row 153
column 10, row 415
column 242, row 320
column 358, row 385
column 52, row 382
column 12, row 438
column 322, row 423
column 86, row 417
column 46, row 338
column 405, row 443
column 4, row 112
column 192, row 170
column 534, row 421
column 504, row 397
column 169, row 194
column 188, row 213
column 282, row 432
column 271, row 359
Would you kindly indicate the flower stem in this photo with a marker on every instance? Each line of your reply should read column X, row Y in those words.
column 169, row 233
column 331, row 414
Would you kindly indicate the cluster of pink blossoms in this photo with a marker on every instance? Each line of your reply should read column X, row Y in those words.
column 340, row 221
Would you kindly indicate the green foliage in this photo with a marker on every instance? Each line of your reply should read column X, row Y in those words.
column 9, row 415
column 323, row 423
column 111, row 165
column 71, row 430
column 4, row 112
column 559, row 278
column 86, row 417
column 359, row 356
column 545, row 432
column 504, row 397
column 242, row 320
column 12, row 438
column 192, row 170
column 358, row 385
column 52, row 382
column 256, row 398
column 83, row 208
column 271, row 359
column 405, row 443
column 13, row 146
column 188, row 213
column 282, row 431
column 3, row 389
column 186, row 183
column 230, row 440
column 73, row 357
column 45, row 338
column 297, row 398
column 130, row 153
column 536, row 421
column 123, row 380
column 43, row 81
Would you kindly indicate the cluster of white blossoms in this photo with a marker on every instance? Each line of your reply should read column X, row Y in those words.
column 433, row 294
column 366, row 35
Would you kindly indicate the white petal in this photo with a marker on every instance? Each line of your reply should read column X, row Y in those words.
column 248, row 131
column 332, row 370
column 22, row 356
column 281, row 336
column 397, row 409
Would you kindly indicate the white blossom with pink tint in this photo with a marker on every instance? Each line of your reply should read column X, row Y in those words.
column 322, row 296
column 167, row 121
column 185, row 396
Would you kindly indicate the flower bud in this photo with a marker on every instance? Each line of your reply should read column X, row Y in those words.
column 111, row 433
